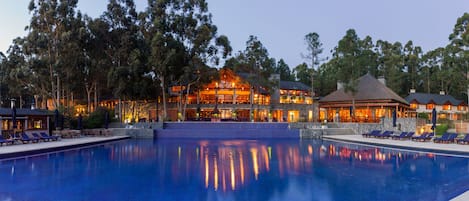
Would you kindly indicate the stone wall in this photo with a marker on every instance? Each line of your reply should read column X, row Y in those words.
column 402, row 124
column 134, row 132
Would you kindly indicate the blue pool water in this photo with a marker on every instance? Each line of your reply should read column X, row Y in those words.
column 233, row 170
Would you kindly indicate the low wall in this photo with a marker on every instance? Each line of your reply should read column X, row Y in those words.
column 402, row 124
column 134, row 132
column 226, row 130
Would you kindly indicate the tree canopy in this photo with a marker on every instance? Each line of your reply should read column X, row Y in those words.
column 130, row 54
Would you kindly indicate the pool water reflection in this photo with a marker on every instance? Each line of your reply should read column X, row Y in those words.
column 234, row 170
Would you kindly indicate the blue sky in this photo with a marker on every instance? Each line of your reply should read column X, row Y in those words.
column 282, row 25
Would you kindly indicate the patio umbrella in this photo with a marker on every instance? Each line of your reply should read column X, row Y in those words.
column 394, row 118
column 13, row 117
column 62, row 122
column 79, row 123
column 434, row 119
column 56, row 119
column 106, row 120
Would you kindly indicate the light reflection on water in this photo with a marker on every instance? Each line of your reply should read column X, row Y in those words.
column 234, row 170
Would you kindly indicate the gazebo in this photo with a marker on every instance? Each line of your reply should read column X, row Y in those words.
column 373, row 100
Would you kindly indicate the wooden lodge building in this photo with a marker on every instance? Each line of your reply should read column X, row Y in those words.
column 373, row 100
column 234, row 98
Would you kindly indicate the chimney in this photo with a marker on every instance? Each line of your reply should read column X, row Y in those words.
column 12, row 102
column 382, row 79
column 340, row 85
column 412, row 91
column 442, row 93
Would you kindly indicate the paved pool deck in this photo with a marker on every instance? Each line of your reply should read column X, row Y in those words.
column 429, row 146
column 444, row 149
column 22, row 150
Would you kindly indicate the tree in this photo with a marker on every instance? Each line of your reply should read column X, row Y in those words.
column 345, row 58
column 412, row 57
column 314, row 47
column 51, row 47
column 390, row 65
column 284, row 70
column 460, row 42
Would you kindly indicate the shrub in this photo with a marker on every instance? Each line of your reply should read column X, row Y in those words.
column 440, row 129
column 96, row 119
column 422, row 115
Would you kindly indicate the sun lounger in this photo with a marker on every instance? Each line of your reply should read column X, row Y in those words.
column 464, row 140
column 423, row 137
column 402, row 136
column 372, row 133
column 6, row 141
column 446, row 138
column 385, row 134
column 25, row 138
column 41, row 137
column 50, row 137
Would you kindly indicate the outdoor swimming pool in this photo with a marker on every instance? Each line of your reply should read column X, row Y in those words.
column 233, row 170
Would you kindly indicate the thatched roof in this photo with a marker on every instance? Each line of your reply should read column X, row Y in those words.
column 368, row 89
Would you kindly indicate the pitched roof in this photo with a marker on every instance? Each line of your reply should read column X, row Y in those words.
column 294, row 85
column 369, row 88
column 425, row 98
column 25, row 112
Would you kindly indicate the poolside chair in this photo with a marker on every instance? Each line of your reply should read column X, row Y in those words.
column 423, row 137
column 50, row 137
column 372, row 133
column 385, row 134
column 6, row 141
column 452, row 137
column 464, row 140
column 25, row 138
column 399, row 137
column 446, row 138
column 40, row 137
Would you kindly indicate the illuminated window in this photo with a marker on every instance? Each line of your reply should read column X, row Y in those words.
column 430, row 106
column 446, row 107
column 37, row 124
column 413, row 105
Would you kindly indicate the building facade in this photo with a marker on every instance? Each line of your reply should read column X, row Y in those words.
column 446, row 106
column 234, row 98
column 371, row 102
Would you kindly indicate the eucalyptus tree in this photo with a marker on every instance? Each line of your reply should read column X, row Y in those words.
column 390, row 65
column 16, row 76
column 451, row 75
column 368, row 58
column 284, row 70
column 346, row 59
column 123, row 49
column 314, row 47
column 191, row 25
column 49, row 34
column 302, row 73
column 327, row 80
column 3, row 60
column 182, row 41
column 460, row 42
column 430, row 65
column 412, row 58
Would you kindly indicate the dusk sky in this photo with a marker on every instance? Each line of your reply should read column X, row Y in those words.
column 282, row 25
